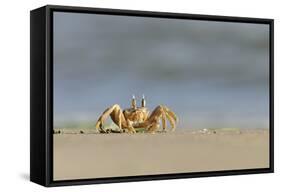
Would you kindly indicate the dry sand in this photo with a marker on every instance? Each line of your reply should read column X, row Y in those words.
column 82, row 156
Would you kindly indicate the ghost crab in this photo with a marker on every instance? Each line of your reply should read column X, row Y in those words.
column 128, row 120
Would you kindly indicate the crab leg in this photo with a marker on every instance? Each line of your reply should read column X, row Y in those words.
column 120, row 119
column 153, row 127
column 160, row 112
column 105, row 114
column 164, row 121
column 115, row 112
column 170, row 113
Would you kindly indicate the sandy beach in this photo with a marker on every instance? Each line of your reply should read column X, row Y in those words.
column 89, row 155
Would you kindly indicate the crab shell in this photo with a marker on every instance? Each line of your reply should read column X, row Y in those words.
column 137, row 115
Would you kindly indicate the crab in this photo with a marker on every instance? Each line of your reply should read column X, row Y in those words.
column 128, row 120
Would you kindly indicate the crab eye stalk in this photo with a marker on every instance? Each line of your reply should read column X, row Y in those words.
column 143, row 102
column 134, row 102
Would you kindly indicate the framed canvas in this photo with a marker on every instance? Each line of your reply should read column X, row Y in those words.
column 123, row 95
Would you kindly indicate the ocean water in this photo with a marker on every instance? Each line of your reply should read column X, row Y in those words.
column 211, row 74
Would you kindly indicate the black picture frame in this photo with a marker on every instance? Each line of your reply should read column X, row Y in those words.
column 41, row 99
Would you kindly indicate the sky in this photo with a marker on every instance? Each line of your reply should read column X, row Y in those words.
column 211, row 74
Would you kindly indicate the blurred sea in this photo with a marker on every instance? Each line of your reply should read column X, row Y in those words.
column 212, row 74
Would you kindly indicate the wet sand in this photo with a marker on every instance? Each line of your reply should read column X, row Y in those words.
column 82, row 156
